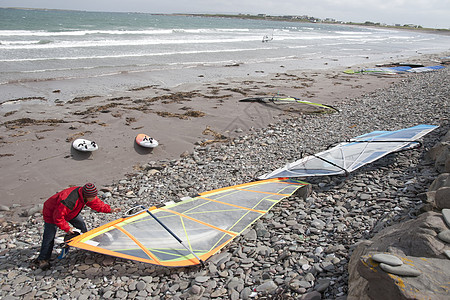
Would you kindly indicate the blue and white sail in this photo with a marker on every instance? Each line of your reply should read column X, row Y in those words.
column 349, row 156
column 425, row 69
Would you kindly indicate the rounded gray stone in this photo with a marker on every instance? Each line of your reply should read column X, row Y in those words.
column 245, row 293
column 108, row 294
column 267, row 287
column 403, row 270
column 25, row 290
column 442, row 197
column 202, row 279
column 195, row 289
column 365, row 196
column 446, row 215
column 218, row 292
column 141, row 285
column 387, row 259
column 121, row 294
column 322, row 285
column 4, row 208
column 444, row 236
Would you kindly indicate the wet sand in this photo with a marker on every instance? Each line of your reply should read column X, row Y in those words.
column 37, row 159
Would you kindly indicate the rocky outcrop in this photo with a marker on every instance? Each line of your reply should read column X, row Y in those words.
column 417, row 244
column 424, row 278
column 440, row 154
column 422, row 245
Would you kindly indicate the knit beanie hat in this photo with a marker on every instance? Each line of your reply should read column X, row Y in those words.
column 89, row 190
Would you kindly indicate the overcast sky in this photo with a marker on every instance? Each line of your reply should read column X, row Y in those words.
column 428, row 13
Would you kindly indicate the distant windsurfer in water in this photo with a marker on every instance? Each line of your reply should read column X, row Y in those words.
column 266, row 38
column 64, row 208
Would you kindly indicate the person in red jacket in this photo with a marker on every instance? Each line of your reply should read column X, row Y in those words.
column 63, row 209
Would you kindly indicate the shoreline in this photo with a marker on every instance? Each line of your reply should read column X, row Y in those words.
column 442, row 31
column 37, row 158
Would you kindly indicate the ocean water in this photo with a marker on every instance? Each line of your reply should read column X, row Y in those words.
column 59, row 46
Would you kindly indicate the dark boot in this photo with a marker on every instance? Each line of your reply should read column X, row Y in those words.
column 44, row 265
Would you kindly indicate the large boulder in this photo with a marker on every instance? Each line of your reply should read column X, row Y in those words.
column 416, row 237
column 413, row 238
column 442, row 197
column 438, row 195
column 432, row 283
column 440, row 154
column 442, row 180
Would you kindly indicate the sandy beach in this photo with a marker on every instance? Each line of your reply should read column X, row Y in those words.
column 37, row 159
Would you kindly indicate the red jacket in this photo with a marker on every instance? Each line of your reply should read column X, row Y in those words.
column 67, row 204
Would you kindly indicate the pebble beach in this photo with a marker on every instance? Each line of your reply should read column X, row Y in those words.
column 299, row 250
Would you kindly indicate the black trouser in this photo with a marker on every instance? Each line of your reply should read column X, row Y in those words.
column 48, row 239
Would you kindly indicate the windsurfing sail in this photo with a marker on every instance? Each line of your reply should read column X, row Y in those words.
column 280, row 99
column 400, row 64
column 381, row 70
column 426, row 69
column 205, row 224
column 349, row 156
column 267, row 38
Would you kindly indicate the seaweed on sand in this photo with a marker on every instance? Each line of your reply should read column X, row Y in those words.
column 185, row 116
column 19, row 123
